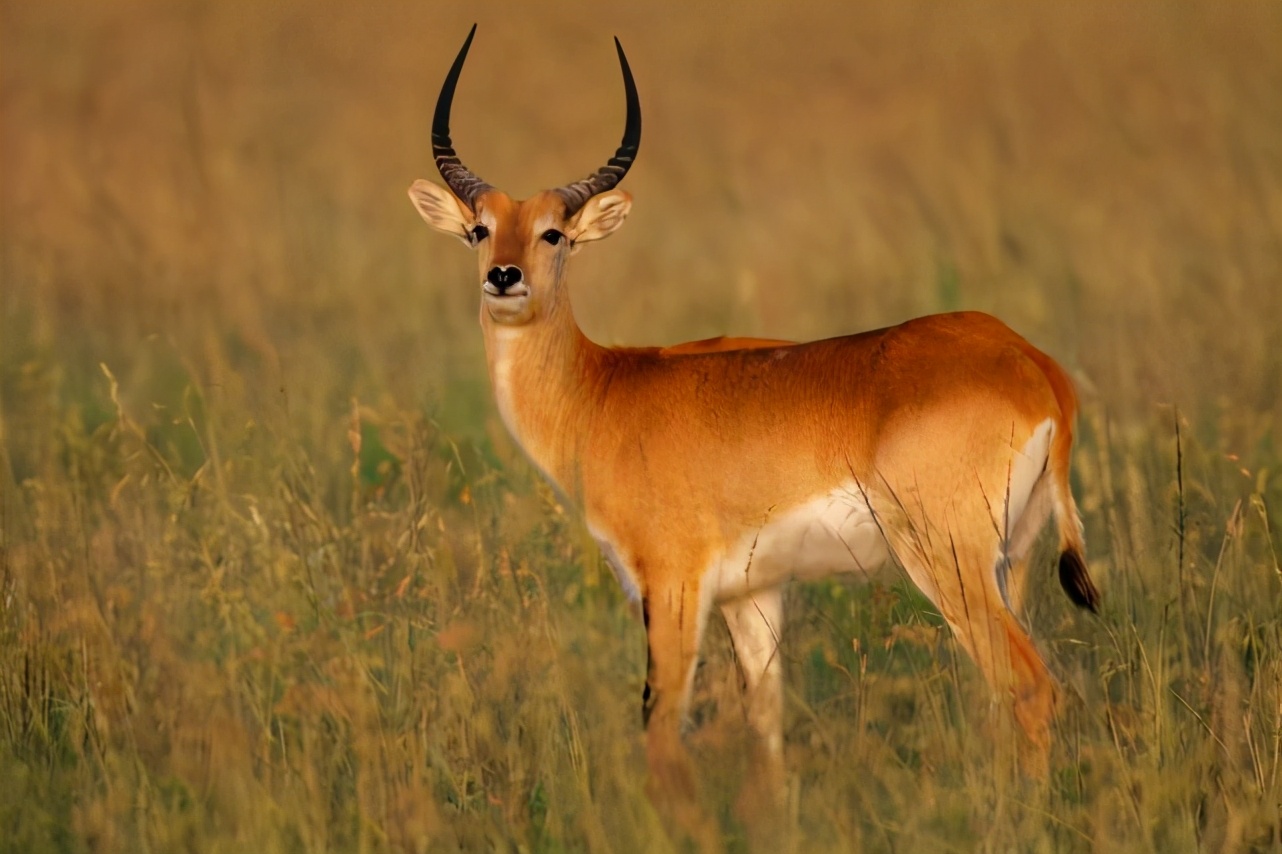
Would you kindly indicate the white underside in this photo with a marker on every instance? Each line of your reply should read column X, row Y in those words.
column 832, row 533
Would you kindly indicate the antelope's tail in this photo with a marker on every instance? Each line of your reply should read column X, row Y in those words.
column 1073, row 575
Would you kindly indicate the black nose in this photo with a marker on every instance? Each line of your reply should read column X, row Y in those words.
column 503, row 277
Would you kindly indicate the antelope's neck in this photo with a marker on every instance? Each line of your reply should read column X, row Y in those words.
column 546, row 380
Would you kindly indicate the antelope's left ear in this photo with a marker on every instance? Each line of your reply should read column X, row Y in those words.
column 442, row 209
column 600, row 216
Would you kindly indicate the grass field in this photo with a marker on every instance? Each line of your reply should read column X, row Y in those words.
column 273, row 577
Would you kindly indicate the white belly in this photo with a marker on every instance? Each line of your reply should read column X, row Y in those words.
column 831, row 533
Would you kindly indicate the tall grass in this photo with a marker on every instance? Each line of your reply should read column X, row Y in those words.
column 273, row 576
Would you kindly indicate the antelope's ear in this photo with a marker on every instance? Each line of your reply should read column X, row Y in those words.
column 600, row 216
column 442, row 210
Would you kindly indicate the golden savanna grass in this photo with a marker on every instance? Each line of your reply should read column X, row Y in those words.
column 273, row 577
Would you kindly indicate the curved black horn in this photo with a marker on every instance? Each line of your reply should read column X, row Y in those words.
column 466, row 185
column 612, row 172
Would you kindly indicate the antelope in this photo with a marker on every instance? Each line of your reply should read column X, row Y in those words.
column 711, row 473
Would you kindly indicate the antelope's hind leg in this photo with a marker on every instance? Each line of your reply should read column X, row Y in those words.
column 960, row 577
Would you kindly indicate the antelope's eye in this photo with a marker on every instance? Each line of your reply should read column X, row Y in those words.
column 553, row 236
column 479, row 233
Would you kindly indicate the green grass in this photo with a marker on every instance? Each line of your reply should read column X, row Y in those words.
column 273, row 577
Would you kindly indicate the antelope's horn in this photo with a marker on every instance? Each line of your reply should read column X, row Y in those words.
column 461, row 180
column 612, row 172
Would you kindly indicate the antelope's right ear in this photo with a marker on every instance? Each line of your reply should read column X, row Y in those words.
column 442, row 210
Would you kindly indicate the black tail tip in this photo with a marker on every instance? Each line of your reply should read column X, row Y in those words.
column 1076, row 581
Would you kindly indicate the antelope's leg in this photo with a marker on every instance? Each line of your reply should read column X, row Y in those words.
column 756, row 623
column 674, row 618
column 961, row 580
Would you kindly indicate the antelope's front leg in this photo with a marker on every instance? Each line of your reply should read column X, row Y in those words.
column 674, row 617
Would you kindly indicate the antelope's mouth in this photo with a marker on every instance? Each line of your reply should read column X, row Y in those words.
column 515, row 292
column 510, row 307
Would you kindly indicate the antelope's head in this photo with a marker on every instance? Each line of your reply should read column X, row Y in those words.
column 522, row 245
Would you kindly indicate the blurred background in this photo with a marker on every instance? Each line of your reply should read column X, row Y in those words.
column 230, row 179
column 250, row 454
